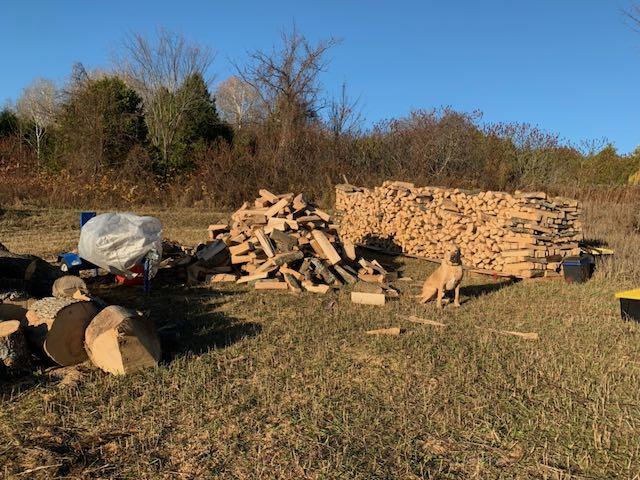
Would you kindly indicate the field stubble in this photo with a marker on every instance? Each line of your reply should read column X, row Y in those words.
column 269, row 385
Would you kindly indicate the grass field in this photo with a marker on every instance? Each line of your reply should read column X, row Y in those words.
column 270, row 385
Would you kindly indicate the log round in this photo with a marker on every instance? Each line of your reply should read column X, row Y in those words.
column 68, row 285
column 14, row 352
column 27, row 272
column 119, row 341
column 57, row 326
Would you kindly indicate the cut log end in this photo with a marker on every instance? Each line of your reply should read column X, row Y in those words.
column 121, row 341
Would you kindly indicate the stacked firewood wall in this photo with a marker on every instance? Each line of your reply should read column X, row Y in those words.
column 523, row 234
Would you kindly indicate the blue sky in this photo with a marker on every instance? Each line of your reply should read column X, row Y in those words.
column 568, row 66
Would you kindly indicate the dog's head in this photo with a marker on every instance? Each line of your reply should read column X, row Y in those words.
column 452, row 255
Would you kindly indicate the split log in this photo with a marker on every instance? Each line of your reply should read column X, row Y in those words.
column 14, row 353
column 57, row 325
column 119, row 341
column 393, row 331
column 68, row 285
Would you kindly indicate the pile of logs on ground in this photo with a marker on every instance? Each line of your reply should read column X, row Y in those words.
column 69, row 326
column 522, row 235
column 285, row 242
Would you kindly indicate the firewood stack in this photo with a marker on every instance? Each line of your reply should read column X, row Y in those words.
column 523, row 234
column 285, row 242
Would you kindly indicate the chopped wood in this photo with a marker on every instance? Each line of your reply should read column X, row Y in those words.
column 424, row 321
column 56, row 326
column 497, row 232
column 271, row 285
column 265, row 242
column 120, row 341
column 240, row 249
column 327, row 248
column 310, row 287
column 393, row 331
column 349, row 249
column 524, row 335
column 251, row 278
column 223, row 277
column 284, row 242
column 14, row 351
column 294, row 284
column 368, row 298
column 277, row 208
column 268, row 195
column 289, row 271
column 345, row 275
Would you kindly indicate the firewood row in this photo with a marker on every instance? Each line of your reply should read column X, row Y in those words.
column 522, row 234
column 284, row 242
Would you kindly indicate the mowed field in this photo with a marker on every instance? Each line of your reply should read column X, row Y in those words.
column 272, row 385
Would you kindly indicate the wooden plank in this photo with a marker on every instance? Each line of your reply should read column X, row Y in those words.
column 271, row 285
column 241, row 249
column 310, row 287
column 223, row 278
column 393, row 331
column 332, row 255
column 265, row 242
column 423, row 321
column 349, row 249
column 238, row 259
column 268, row 195
column 368, row 298
column 290, row 271
column 277, row 208
column 346, row 276
column 251, row 278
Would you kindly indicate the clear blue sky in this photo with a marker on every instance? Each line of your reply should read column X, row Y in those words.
column 568, row 66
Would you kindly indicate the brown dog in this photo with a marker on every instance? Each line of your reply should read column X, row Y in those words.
column 447, row 277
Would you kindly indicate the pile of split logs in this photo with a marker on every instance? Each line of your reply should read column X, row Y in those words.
column 285, row 242
column 523, row 234
column 70, row 327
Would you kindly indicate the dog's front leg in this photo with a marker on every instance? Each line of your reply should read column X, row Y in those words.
column 440, row 295
column 456, row 297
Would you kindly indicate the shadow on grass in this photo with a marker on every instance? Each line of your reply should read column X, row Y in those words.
column 187, row 319
column 478, row 290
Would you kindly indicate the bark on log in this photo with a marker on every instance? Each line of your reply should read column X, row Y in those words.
column 57, row 327
column 14, row 352
column 120, row 341
column 28, row 273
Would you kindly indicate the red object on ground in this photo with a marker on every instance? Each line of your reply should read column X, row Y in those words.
column 137, row 280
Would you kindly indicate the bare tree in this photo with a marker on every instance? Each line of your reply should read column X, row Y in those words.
column 38, row 107
column 157, row 69
column 344, row 114
column 238, row 102
column 633, row 14
column 287, row 80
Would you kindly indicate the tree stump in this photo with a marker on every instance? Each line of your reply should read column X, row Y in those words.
column 14, row 352
column 68, row 286
column 119, row 341
column 57, row 327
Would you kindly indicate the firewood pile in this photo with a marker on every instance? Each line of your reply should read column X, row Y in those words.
column 522, row 234
column 285, row 242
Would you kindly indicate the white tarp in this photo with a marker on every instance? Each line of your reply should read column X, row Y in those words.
column 117, row 241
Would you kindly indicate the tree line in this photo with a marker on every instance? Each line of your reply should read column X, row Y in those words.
column 153, row 122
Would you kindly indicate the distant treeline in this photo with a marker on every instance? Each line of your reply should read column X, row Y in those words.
column 150, row 131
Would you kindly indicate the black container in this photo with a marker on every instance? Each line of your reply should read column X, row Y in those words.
column 578, row 269
column 630, row 309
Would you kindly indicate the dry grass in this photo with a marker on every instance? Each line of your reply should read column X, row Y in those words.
column 266, row 385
